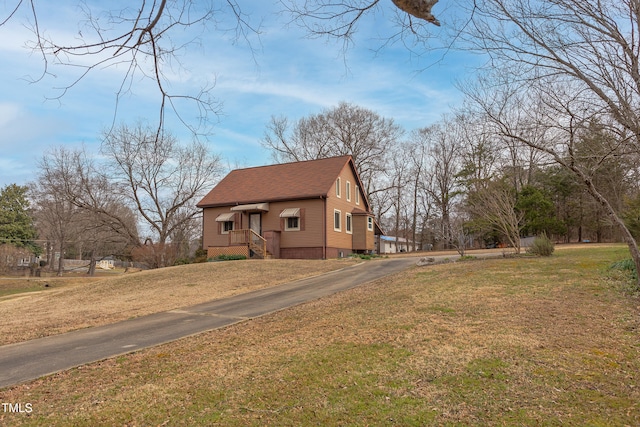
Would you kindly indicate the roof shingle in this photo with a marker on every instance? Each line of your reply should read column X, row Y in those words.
column 287, row 181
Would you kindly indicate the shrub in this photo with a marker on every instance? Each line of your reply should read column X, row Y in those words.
column 200, row 255
column 364, row 256
column 541, row 246
column 626, row 265
column 229, row 257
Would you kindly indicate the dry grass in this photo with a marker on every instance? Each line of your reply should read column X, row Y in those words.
column 74, row 303
column 531, row 341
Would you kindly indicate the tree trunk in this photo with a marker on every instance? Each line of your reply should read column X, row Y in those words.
column 414, row 219
column 92, row 264
column 50, row 256
column 61, row 261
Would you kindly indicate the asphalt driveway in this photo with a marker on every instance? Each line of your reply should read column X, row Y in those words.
column 28, row 360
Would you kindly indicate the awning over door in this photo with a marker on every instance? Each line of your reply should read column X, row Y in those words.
column 225, row 217
column 252, row 207
column 290, row 213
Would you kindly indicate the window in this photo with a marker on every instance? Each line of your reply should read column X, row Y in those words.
column 336, row 220
column 338, row 184
column 357, row 195
column 292, row 224
column 348, row 224
column 370, row 223
column 292, row 219
column 226, row 222
column 348, row 191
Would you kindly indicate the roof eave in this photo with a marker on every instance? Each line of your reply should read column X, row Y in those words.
column 272, row 200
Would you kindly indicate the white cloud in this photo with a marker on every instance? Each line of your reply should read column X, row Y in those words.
column 8, row 113
column 289, row 76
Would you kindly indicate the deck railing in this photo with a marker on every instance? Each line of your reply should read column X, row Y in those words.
column 256, row 242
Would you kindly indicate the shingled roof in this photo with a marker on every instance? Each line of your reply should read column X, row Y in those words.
column 286, row 181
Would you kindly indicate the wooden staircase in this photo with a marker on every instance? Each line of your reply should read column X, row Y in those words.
column 256, row 243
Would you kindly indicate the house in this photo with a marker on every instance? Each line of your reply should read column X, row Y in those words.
column 310, row 209
column 393, row 244
column 106, row 263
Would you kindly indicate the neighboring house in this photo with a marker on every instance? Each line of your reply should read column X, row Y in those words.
column 310, row 209
column 27, row 261
column 106, row 263
column 387, row 245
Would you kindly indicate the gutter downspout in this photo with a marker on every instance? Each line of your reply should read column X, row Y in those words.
column 324, row 228
column 202, row 233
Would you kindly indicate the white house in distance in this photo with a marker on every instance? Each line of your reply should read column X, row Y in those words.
column 387, row 245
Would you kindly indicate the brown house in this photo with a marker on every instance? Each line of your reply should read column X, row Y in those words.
column 310, row 209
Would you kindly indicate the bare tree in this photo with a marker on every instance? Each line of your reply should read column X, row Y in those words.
column 461, row 236
column 162, row 179
column 145, row 40
column 399, row 173
column 561, row 65
column 56, row 220
column 481, row 150
column 495, row 203
column 418, row 180
column 343, row 130
column 339, row 20
column 74, row 175
column 442, row 142
column 78, row 204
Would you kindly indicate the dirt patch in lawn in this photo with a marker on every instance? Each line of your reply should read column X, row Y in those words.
column 81, row 304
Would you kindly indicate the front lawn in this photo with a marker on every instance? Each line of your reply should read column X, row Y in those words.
column 517, row 341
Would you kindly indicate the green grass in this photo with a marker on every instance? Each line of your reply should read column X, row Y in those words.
column 14, row 287
column 231, row 257
column 519, row 341
column 10, row 286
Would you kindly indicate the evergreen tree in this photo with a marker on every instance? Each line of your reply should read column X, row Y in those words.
column 16, row 223
column 538, row 213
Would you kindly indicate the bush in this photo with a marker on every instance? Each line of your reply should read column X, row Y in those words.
column 229, row 257
column 364, row 256
column 200, row 255
column 627, row 266
column 541, row 246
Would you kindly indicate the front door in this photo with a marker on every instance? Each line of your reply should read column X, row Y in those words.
column 255, row 222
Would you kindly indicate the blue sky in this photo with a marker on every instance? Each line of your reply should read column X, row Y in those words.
column 287, row 75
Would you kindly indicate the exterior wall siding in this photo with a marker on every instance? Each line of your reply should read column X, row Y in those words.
column 309, row 236
column 211, row 235
column 361, row 238
column 311, row 222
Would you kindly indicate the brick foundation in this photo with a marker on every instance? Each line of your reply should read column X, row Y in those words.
column 301, row 253
column 335, row 252
column 285, row 253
